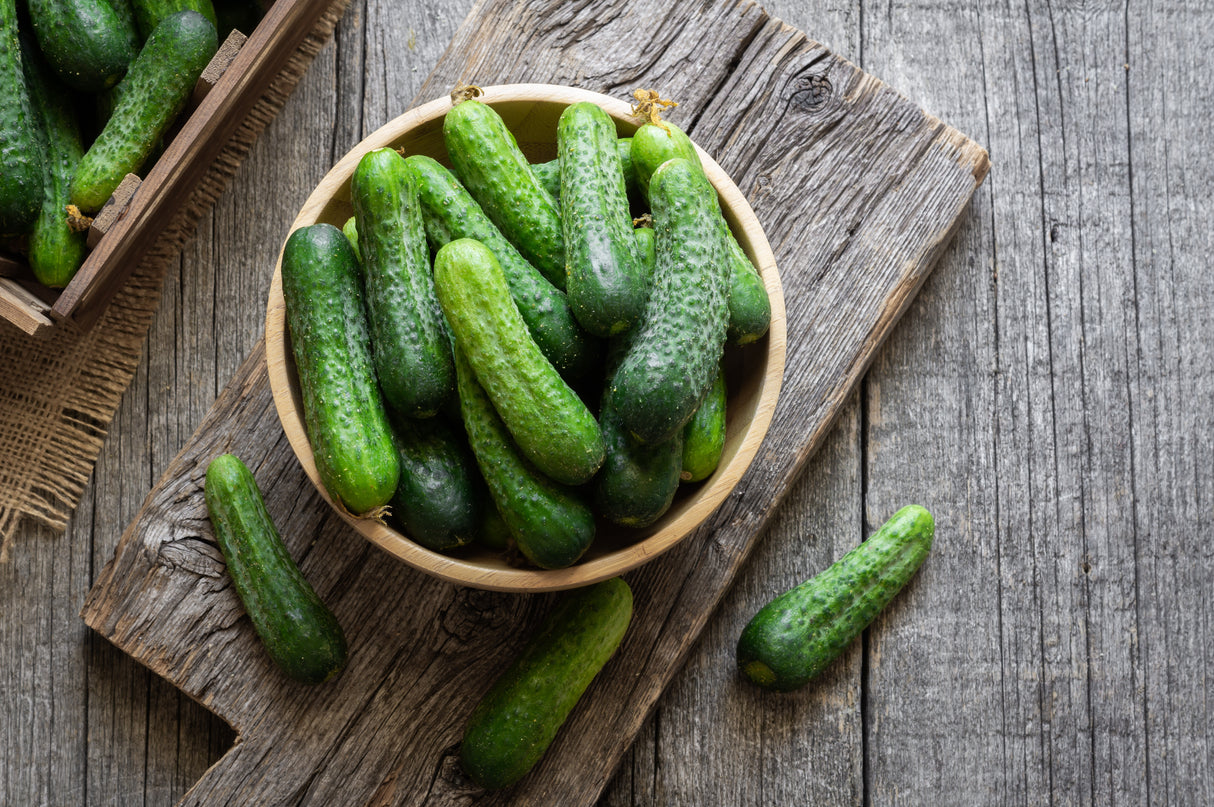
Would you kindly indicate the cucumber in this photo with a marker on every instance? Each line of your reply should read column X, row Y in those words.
column 704, row 434
column 549, row 173
column 153, row 92
column 494, row 533
column 549, row 522
column 637, row 482
column 409, row 341
column 344, row 413
column 56, row 251
column 88, row 43
column 647, row 249
column 149, row 13
column 551, row 425
column 299, row 632
column 513, row 725
column 449, row 212
column 489, row 163
column 440, row 497
column 749, row 306
column 605, row 278
column 21, row 181
column 795, row 636
column 672, row 361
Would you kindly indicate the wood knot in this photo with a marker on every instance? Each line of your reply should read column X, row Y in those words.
column 811, row 93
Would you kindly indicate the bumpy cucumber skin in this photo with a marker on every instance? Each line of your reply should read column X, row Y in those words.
column 549, row 522
column 749, row 306
column 88, row 43
column 149, row 13
column 21, row 181
column 344, row 413
column 409, row 341
column 449, row 212
column 637, row 482
column 551, row 425
column 439, row 499
column 704, row 434
column 605, row 279
column 55, row 249
column 673, row 359
column 489, row 163
column 154, row 90
column 299, row 632
column 516, row 721
column 549, row 173
column 795, row 636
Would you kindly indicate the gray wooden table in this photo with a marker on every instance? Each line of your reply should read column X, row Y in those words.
column 1049, row 395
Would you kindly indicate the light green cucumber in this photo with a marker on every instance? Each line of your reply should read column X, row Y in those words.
column 704, row 434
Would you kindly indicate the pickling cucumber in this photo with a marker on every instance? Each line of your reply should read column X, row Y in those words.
column 449, row 212
column 517, row 719
column 344, row 413
column 21, row 181
column 409, row 341
column 551, row 425
column 440, row 496
column 153, row 92
column 549, row 522
column 637, row 482
column 704, row 434
column 298, row 630
column 671, row 362
column 489, row 163
column 89, row 44
column 549, row 173
column 149, row 13
column 605, row 278
column 795, row 636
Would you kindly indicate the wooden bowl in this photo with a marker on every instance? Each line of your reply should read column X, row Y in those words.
column 754, row 372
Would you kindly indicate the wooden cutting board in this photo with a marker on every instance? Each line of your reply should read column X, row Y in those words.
column 858, row 190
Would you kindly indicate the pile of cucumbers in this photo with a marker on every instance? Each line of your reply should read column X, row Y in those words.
column 88, row 89
column 508, row 353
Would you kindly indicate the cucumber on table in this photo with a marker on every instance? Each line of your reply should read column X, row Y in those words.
column 153, row 92
column 299, row 632
column 606, row 280
column 56, row 250
column 513, row 725
column 89, row 44
column 673, row 358
column 795, row 636
column 549, row 522
column 21, row 181
column 489, row 163
column 548, row 421
column 409, row 341
column 344, row 413
column 449, row 212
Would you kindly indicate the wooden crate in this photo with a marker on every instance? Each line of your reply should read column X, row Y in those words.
column 233, row 82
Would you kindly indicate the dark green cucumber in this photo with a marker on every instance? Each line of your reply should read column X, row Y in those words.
column 409, row 340
column 153, row 92
column 672, row 361
column 88, row 43
column 795, row 636
column 494, row 533
column 704, row 434
column 749, row 306
column 449, row 212
column 344, row 413
column 549, row 522
column 299, row 632
column 489, row 163
column 21, row 181
column 637, row 482
column 149, row 13
column 513, row 725
column 56, row 250
column 605, row 279
column 551, row 425
column 549, row 173
column 440, row 497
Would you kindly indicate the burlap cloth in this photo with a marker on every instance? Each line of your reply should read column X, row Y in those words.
column 58, row 395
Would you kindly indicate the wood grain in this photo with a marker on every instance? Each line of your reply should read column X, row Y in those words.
column 877, row 221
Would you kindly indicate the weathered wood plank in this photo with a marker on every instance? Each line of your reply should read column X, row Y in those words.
column 881, row 234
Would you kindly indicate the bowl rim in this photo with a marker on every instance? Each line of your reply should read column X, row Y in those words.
column 452, row 568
